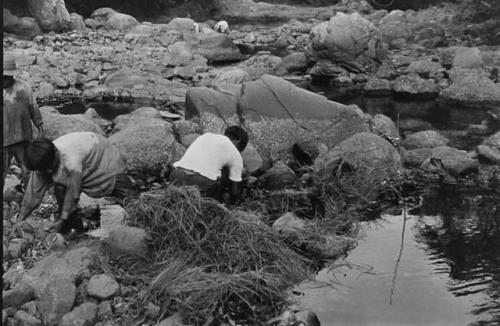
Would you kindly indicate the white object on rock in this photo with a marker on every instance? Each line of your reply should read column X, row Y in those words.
column 221, row 27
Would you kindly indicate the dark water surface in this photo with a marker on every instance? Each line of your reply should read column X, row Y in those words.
column 445, row 270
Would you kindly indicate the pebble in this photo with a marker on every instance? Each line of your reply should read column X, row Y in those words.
column 104, row 310
column 102, row 286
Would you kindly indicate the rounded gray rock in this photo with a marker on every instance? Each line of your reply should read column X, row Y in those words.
column 102, row 286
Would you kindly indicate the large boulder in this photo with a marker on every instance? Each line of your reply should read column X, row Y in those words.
column 113, row 20
column 277, row 113
column 24, row 28
column 181, row 24
column 56, row 124
column 363, row 152
column 472, row 88
column 147, row 144
column 451, row 160
column 490, row 149
column 425, row 139
column 51, row 15
column 349, row 40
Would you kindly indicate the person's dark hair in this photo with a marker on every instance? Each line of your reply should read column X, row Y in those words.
column 39, row 154
column 238, row 134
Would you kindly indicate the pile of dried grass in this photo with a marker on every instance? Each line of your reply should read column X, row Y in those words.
column 206, row 261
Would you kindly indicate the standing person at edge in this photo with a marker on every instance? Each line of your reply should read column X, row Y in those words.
column 19, row 110
column 214, row 163
column 74, row 163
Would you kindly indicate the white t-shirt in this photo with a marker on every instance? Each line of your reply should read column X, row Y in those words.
column 209, row 153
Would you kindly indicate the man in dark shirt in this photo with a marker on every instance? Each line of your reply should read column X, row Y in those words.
column 19, row 110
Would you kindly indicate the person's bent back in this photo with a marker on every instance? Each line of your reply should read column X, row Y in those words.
column 206, row 160
column 74, row 163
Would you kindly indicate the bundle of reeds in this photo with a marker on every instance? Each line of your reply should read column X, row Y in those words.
column 206, row 261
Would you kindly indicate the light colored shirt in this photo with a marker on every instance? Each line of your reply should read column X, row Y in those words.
column 19, row 109
column 209, row 153
column 88, row 163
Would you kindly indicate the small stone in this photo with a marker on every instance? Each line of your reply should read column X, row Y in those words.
column 102, row 286
column 25, row 319
column 173, row 320
column 30, row 307
column 54, row 241
column 17, row 247
column 152, row 310
column 60, row 82
column 104, row 310
column 17, row 296
column 83, row 315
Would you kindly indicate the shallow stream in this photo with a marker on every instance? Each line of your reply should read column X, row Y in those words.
column 445, row 270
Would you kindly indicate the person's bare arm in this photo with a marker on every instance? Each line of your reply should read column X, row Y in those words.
column 72, row 194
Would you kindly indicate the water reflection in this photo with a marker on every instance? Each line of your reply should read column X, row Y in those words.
column 463, row 230
column 448, row 271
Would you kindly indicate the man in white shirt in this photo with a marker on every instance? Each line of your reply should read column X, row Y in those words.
column 213, row 163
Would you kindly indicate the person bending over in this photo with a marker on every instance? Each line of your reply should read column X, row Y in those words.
column 213, row 163
column 74, row 163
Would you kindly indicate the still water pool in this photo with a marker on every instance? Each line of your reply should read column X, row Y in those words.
column 440, row 266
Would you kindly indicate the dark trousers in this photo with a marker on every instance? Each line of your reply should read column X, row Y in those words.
column 14, row 151
column 124, row 189
column 208, row 187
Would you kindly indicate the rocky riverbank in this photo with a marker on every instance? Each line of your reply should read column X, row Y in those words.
column 178, row 79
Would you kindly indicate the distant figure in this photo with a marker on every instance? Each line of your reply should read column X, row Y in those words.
column 74, row 163
column 222, row 27
column 214, row 163
column 19, row 110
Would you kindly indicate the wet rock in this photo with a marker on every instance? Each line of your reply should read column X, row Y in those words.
column 378, row 86
column 452, row 160
column 290, row 222
column 471, row 88
column 278, row 177
column 252, row 161
column 102, row 286
column 293, row 62
column 25, row 319
column 147, row 143
column 24, row 28
column 17, row 247
column 383, row 125
column 490, row 149
column 83, row 315
column 414, row 124
column 416, row 157
column 51, row 15
column 425, row 139
column 77, row 23
column 365, row 152
column 413, row 85
column 350, row 40
column 469, row 58
column 127, row 239
column 56, row 124
column 17, row 296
